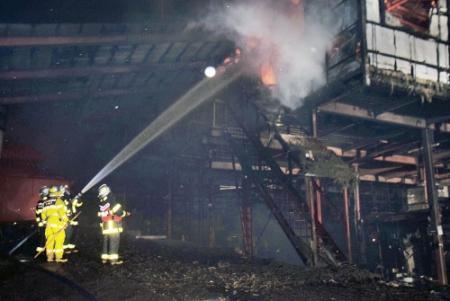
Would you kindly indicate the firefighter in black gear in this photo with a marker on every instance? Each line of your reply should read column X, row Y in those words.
column 111, row 214
column 43, row 196
column 72, row 206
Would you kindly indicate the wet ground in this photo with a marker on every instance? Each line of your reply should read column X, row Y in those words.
column 179, row 271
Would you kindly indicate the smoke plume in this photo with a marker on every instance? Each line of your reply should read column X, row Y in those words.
column 284, row 48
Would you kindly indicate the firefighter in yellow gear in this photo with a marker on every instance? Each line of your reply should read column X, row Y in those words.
column 43, row 195
column 111, row 214
column 55, row 217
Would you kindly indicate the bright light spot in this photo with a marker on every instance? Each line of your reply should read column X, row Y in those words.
column 210, row 71
column 116, row 107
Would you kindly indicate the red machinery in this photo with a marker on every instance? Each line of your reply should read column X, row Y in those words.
column 20, row 181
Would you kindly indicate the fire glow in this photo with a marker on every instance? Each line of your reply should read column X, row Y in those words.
column 277, row 43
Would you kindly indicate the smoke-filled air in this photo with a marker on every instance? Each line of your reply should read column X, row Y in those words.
column 283, row 46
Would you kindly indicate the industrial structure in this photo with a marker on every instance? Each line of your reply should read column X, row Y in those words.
column 359, row 173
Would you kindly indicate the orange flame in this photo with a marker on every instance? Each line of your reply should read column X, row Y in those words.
column 267, row 74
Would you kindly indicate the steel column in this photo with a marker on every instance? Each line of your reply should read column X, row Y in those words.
column 358, row 220
column 318, row 192
column 246, row 219
column 314, row 123
column 128, row 38
column 310, row 199
column 246, row 223
column 348, row 238
column 432, row 196
column 317, row 188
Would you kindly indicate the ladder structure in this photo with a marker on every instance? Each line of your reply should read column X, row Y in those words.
column 293, row 211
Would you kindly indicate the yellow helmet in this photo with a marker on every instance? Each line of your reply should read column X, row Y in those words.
column 54, row 191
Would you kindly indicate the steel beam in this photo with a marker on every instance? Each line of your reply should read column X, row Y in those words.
column 64, row 96
column 7, row 100
column 433, row 200
column 144, row 38
column 381, row 179
column 340, row 108
column 96, row 70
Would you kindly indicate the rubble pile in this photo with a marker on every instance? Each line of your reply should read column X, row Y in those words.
column 179, row 271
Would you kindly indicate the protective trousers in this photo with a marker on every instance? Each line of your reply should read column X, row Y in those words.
column 40, row 239
column 111, row 247
column 70, row 234
column 55, row 242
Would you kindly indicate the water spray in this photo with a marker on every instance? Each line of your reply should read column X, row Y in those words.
column 223, row 76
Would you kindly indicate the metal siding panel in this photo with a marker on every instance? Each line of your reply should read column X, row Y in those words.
column 444, row 28
column 404, row 66
column 443, row 56
column 384, row 40
column 373, row 10
column 426, row 73
column 444, row 77
column 384, row 62
column 402, row 45
column 370, row 36
column 424, row 51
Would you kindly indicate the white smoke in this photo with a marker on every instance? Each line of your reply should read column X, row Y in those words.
column 295, row 47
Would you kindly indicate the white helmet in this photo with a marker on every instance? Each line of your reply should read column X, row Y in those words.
column 103, row 191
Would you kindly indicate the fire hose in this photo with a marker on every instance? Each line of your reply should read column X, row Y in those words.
column 26, row 238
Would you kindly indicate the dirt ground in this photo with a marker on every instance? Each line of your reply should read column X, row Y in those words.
column 179, row 271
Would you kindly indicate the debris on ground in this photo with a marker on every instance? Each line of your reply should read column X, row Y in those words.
column 168, row 270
